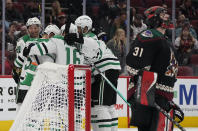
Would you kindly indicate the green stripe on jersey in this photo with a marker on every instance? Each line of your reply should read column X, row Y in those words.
column 18, row 63
column 39, row 47
column 108, row 125
column 109, row 63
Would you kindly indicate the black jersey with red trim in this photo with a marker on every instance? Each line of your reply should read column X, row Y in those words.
column 151, row 51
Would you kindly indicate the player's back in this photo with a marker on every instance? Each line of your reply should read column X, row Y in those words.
column 66, row 54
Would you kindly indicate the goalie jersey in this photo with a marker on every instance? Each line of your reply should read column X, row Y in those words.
column 152, row 52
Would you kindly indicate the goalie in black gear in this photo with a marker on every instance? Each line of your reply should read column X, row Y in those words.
column 152, row 53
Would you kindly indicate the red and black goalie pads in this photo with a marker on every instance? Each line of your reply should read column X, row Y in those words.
column 145, row 88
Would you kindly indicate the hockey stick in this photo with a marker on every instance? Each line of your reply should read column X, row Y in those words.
column 109, row 82
column 169, row 117
column 155, row 105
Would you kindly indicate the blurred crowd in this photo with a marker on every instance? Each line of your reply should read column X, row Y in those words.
column 109, row 23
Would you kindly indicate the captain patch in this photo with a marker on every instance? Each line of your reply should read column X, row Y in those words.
column 147, row 33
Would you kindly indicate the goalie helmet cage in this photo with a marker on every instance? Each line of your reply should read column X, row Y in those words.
column 58, row 100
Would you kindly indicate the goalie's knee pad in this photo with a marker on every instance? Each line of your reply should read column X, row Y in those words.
column 100, row 118
column 114, row 117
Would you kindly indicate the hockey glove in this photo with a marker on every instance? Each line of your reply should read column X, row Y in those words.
column 178, row 113
column 26, row 50
column 71, row 38
column 16, row 72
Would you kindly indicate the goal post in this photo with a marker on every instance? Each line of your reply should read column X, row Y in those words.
column 58, row 100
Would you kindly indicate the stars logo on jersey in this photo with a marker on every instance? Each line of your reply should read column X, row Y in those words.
column 147, row 33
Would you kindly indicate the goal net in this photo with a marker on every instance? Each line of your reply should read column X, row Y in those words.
column 58, row 100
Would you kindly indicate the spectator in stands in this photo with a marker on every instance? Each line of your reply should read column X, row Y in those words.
column 10, row 37
column 56, row 10
column 121, row 6
column 22, row 31
column 61, row 20
column 107, row 15
column 187, row 9
column 31, row 9
column 137, row 25
column 165, row 6
column 119, row 22
column 181, row 21
column 12, row 14
column 185, row 45
column 118, row 46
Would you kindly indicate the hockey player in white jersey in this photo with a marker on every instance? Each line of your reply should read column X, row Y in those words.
column 65, row 53
column 50, row 31
column 24, row 68
column 103, row 115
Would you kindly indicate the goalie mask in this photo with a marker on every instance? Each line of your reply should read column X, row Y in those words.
column 84, row 21
column 157, row 16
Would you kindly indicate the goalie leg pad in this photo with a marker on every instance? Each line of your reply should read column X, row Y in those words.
column 145, row 94
column 100, row 118
column 141, row 115
column 114, row 117
column 161, row 122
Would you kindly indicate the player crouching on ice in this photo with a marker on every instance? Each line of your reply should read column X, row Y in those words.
column 152, row 63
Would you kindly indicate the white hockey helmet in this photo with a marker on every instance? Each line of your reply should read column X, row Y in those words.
column 52, row 29
column 72, row 28
column 84, row 21
column 33, row 21
column 90, row 50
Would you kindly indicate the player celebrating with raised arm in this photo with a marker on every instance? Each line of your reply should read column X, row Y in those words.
column 103, row 114
column 151, row 61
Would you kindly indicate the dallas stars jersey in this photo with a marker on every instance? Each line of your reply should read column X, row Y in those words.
column 65, row 54
column 92, row 35
column 104, row 58
column 152, row 52
column 21, row 44
column 25, row 64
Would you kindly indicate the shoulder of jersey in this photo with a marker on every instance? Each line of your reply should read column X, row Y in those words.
column 58, row 37
column 24, row 38
column 149, row 34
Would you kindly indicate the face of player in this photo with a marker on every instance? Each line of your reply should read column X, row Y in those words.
column 34, row 31
column 80, row 30
column 164, row 16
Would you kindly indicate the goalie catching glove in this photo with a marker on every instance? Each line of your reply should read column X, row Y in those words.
column 178, row 113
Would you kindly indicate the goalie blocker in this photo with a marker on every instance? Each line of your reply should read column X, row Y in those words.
column 144, row 113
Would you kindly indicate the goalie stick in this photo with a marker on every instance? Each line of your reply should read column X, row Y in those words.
column 155, row 104
column 169, row 117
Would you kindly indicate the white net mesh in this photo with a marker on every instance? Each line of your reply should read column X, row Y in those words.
column 46, row 106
